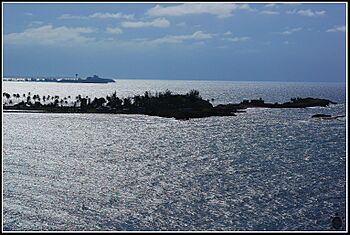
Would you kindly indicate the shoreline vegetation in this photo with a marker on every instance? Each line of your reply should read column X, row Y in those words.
column 162, row 104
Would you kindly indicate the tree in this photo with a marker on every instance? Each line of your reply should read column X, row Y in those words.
column 147, row 95
column 127, row 102
column 7, row 95
column 137, row 100
column 193, row 93
column 98, row 102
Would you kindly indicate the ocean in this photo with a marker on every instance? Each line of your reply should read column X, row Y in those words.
column 262, row 170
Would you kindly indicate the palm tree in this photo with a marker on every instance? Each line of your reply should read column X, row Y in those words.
column 127, row 102
column 7, row 95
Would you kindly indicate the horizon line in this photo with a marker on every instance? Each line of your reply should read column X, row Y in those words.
column 173, row 79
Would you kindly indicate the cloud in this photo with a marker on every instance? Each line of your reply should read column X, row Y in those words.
column 29, row 14
column 171, row 39
column 228, row 33
column 268, row 12
column 72, row 17
column 237, row 39
column 114, row 30
column 35, row 23
column 337, row 29
column 307, row 12
column 48, row 35
column 111, row 15
column 221, row 10
column 290, row 31
column 271, row 5
column 97, row 15
column 158, row 23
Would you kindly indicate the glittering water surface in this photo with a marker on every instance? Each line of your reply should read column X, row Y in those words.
column 266, row 169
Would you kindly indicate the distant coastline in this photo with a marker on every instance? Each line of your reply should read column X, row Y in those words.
column 53, row 79
column 93, row 79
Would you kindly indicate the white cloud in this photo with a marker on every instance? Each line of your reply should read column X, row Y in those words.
column 336, row 29
column 269, row 12
column 48, row 35
column 196, row 36
column 29, row 14
column 97, row 15
column 228, row 33
column 290, row 31
column 307, row 12
column 114, row 30
column 35, row 23
column 111, row 15
column 221, row 10
column 271, row 5
column 159, row 23
column 237, row 39
column 72, row 17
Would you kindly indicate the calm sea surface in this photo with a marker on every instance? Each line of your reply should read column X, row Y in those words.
column 266, row 169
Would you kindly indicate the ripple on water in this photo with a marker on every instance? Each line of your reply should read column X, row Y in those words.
column 261, row 170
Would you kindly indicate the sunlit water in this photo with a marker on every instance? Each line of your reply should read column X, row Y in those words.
column 266, row 169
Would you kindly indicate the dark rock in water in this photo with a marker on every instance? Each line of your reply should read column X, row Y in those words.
column 321, row 116
column 326, row 116
column 293, row 103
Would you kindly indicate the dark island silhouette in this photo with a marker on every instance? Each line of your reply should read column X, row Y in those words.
column 162, row 104
column 93, row 79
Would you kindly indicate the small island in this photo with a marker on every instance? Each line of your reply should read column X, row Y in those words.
column 162, row 104
column 94, row 79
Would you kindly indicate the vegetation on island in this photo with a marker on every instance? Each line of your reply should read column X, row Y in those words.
column 163, row 104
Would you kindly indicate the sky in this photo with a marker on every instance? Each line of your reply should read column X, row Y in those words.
column 193, row 41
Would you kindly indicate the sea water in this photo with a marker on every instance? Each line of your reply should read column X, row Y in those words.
column 265, row 169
